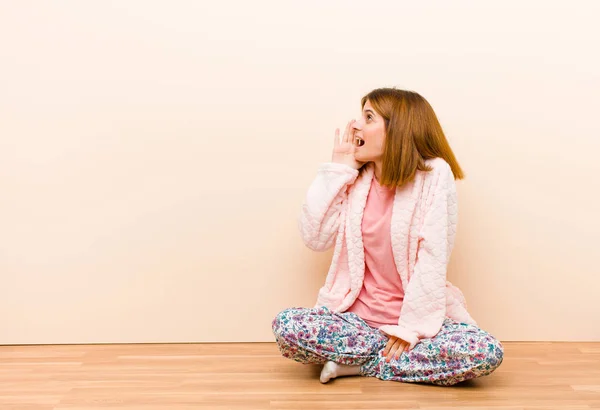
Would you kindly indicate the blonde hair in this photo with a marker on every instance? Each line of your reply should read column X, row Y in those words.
column 413, row 135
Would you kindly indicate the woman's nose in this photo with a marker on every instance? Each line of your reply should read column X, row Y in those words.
column 357, row 125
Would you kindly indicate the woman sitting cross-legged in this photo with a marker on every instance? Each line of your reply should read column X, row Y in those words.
column 387, row 203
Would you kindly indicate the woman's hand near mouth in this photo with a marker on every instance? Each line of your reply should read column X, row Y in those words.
column 344, row 148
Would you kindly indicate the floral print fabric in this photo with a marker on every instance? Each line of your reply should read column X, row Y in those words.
column 459, row 351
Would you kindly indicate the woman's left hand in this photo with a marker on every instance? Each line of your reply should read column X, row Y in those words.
column 394, row 348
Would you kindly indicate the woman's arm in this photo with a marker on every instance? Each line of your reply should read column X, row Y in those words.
column 424, row 307
column 320, row 217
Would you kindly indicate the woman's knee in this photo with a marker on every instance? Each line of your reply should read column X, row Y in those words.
column 283, row 322
column 496, row 354
column 477, row 347
column 489, row 354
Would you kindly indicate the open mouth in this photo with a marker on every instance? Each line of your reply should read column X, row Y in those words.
column 359, row 141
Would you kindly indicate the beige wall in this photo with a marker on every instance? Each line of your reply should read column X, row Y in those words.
column 154, row 156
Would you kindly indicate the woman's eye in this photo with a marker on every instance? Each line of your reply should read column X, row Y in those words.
column 369, row 116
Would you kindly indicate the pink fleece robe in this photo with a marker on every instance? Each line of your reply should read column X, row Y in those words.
column 423, row 227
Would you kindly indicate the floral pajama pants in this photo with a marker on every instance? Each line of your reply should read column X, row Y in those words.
column 457, row 353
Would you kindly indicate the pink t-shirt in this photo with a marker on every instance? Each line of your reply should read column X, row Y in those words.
column 381, row 296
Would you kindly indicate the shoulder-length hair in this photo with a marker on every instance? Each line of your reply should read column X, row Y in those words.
column 413, row 135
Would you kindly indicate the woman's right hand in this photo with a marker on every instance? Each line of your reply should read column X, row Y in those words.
column 344, row 148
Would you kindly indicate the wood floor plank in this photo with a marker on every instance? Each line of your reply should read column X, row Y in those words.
column 255, row 376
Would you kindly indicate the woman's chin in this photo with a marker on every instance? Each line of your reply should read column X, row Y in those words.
column 360, row 157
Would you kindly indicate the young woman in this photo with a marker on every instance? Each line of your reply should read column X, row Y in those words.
column 387, row 204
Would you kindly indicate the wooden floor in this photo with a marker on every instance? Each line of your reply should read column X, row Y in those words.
column 254, row 376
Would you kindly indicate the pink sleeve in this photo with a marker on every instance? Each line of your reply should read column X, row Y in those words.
column 321, row 213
